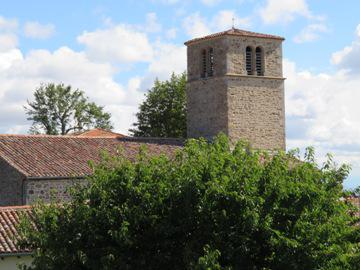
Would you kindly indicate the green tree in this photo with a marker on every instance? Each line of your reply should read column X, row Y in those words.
column 163, row 113
column 58, row 109
column 209, row 206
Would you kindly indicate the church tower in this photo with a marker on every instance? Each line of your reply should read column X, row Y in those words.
column 236, row 86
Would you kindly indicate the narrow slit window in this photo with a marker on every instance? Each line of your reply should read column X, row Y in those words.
column 259, row 62
column 249, row 60
column 211, row 62
column 203, row 64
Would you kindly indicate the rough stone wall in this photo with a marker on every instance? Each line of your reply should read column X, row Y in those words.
column 194, row 57
column 47, row 190
column 256, row 111
column 206, row 107
column 241, row 106
column 272, row 49
column 10, row 185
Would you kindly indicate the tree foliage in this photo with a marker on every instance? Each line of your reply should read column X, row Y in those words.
column 207, row 207
column 58, row 109
column 163, row 113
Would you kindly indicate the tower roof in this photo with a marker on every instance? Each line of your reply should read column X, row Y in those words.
column 234, row 32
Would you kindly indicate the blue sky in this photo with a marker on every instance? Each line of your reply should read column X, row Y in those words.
column 113, row 50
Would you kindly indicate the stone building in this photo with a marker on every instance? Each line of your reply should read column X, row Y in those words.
column 236, row 86
column 36, row 167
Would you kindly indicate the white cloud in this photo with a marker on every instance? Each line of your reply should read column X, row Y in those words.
column 283, row 11
column 348, row 57
column 8, row 24
column 152, row 25
column 223, row 20
column 322, row 110
column 8, row 58
column 168, row 58
column 37, row 30
column 311, row 33
column 8, row 41
column 120, row 43
column 8, row 37
column 358, row 30
column 21, row 74
column 196, row 26
column 171, row 33
column 211, row 2
column 170, row 2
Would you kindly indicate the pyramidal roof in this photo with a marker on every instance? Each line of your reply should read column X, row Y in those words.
column 234, row 32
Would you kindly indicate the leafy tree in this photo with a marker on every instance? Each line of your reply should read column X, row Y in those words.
column 58, row 109
column 206, row 207
column 163, row 113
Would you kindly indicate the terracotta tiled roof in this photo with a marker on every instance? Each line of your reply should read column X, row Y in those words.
column 9, row 219
column 68, row 156
column 98, row 132
column 234, row 32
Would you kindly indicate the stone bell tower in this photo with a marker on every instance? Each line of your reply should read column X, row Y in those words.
column 236, row 86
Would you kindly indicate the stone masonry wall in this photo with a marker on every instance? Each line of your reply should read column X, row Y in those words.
column 272, row 49
column 45, row 190
column 10, row 185
column 194, row 57
column 256, row 111
column 206, row 107
column 242, row 106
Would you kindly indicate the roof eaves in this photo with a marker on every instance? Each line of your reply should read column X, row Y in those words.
column 232, row 33
column 12, row 164
column 52, row 177
column 16, row 254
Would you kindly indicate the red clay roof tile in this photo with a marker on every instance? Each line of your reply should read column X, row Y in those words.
column 97, row 132
column 9, row 219
column 68, row 156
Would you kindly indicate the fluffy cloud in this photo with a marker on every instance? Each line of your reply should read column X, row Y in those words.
column 8, row 41
column 322, row 110
column 224, row 20
column 37, row 30
column 91, row 70
column 171, row 33
column 211, row 2
column 348, row 57
column 197, row 26
column 168, row 58
column 121, row 43
column 276, row 11
column 311, row 33
column 169, row 2
column 152, row 25
column 8, row 24
column 21, row 74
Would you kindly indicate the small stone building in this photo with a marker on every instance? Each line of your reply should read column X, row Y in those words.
column 36, row 167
